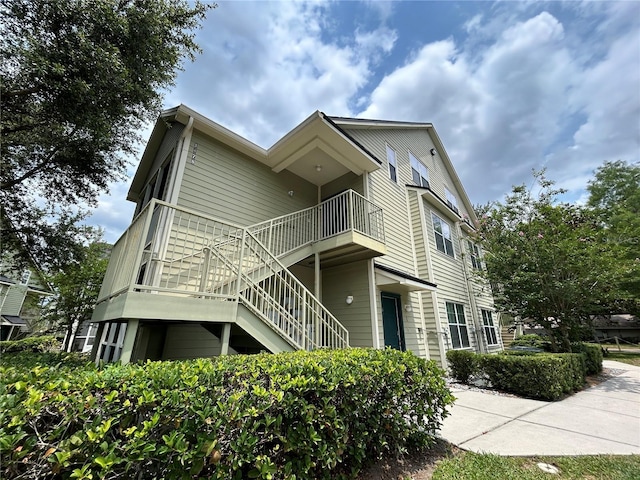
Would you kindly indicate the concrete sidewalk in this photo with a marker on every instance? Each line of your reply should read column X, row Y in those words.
column 603, row 419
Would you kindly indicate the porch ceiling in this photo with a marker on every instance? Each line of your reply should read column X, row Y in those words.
column 319, row 153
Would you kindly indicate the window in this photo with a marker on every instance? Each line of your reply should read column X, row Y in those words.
column 419, row 172
column 393, row 164
column 474, row 254
column 457, row 325
column 489, row 328
column 24, row 278
column 442, row 231
column 157, row 187
column 112, row 342
column 452, row 201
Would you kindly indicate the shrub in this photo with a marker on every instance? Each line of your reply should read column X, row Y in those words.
column 47, row 343
column 297, row 415
column 532, row 340
column 541, row 376
column 462, row 364
column 593, row 356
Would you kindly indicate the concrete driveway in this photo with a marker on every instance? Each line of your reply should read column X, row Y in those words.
column 603, row 419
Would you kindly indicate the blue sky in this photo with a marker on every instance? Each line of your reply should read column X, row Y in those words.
column 509, row 86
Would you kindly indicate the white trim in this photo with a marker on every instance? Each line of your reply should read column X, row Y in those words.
column 181, row 154
column 373, row 302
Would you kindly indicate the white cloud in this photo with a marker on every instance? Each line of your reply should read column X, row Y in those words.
column 263, row 72
column 519, row 85
column 532, row 97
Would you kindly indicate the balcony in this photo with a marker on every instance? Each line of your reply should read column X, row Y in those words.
column 178, row 264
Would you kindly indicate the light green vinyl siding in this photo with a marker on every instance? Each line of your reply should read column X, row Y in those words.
column 418, row 235
column 169, row 142
column 14, row 299
column 414, row 331
column 448, row 272
column 230, row 186
column 337, row 284
column 392, row 196
column 345, row 182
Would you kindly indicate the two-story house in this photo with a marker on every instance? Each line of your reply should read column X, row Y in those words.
column 346, row 232
column 22, row 290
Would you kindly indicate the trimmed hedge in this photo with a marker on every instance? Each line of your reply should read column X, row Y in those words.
column 291, row 416
column 532, row 340
column 592, row 354
column 462, row 364
column 542, row 376
column 46, row 343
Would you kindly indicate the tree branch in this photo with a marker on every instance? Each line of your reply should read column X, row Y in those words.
column 23, row 92
column 31, row 172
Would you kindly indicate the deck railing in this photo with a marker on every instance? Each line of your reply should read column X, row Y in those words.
column 175, row 251
column 339, row 214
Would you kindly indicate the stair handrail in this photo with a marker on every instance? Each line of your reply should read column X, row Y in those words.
column 325, row 324
column 319, row 329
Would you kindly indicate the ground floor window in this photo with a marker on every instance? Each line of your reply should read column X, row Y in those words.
column 489, row 328
column 457, row 325
column 112, row 342
column 85, row 336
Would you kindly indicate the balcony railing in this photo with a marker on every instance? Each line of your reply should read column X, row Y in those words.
column 348, row 211
column 169, row 250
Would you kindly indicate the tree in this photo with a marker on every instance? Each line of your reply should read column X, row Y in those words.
column 77, row 287
column 614, row 195
column 547, row 262
column 79, row 79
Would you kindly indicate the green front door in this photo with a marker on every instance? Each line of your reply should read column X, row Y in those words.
column 392, row 321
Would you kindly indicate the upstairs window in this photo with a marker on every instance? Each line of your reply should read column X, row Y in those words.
column 393, row 164
column 474, row 254
column 157, row 187
column 419, row 172
column 489, row 328
column 452, row 201
column 442, row 232
column 457, row 325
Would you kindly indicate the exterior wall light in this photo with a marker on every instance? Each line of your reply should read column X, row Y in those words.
column 349, row 299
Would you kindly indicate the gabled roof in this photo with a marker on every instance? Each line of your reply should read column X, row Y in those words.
column 316, row 149
column 369, row 124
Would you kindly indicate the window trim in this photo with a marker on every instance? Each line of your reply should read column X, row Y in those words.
column 392, row 161
column 460, row 325
column 444, row 240
column 474, row 255
column 451, row 199
column 489, row 325
column 423, row 179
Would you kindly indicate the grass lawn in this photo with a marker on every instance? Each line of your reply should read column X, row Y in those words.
column 468, row 465
column 625, row 357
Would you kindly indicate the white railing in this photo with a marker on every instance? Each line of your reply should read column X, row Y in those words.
column 347, row 211
column 274, row 294
column 176, row 251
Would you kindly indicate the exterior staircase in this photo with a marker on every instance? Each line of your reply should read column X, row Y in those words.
column 240, row 272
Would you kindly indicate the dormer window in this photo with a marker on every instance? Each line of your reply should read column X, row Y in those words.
column 419, row 172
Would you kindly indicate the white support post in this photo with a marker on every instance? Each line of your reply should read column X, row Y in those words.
column 226, row 335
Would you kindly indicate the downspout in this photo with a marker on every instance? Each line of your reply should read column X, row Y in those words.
column 472, row 298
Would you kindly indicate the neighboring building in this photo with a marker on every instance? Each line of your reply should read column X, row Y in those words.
column 623, row 327
column 345, row 232
column 22, row 290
